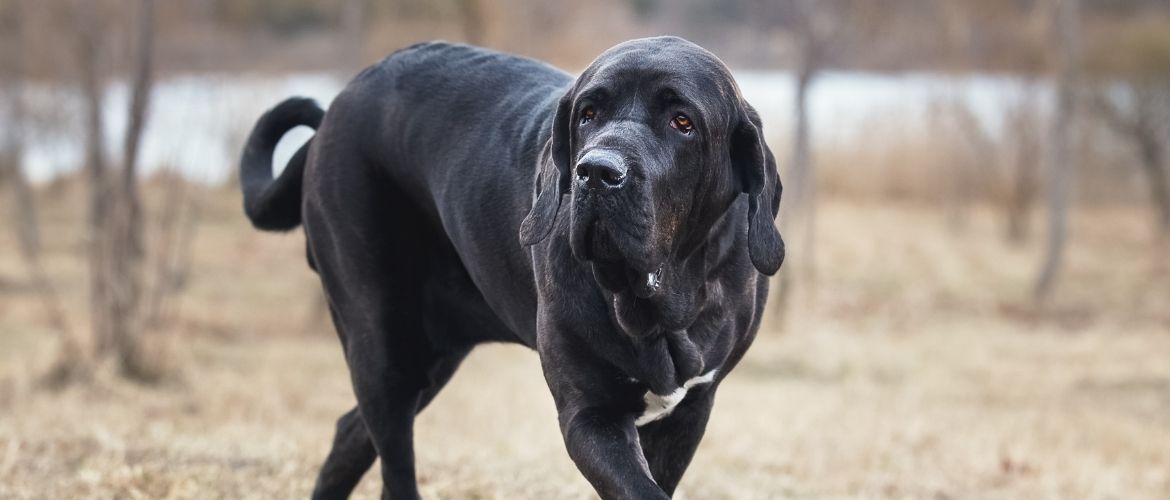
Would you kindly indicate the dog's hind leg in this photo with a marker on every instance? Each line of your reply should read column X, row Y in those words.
column 388, row 369
column 375, row 252
column 351, row 456
column 365, row 266
column 353, row 453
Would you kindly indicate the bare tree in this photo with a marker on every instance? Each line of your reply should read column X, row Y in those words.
column 88, row 17
column 115, row 233
column 960, row 171
column 1142, row 118
column 24, row 206
column 970, row 31
column 126, row 241
column 811, row 25
column 1066, row 43
column 814, row 25
column 1022, row 121
column 809, row 51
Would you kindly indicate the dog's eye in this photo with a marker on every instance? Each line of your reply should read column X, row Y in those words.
column 681, row 123
column 587, row 114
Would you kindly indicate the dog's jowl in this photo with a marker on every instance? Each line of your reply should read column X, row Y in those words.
column 620, row 223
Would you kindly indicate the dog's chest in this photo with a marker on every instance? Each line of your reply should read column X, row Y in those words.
column 660, row 406
column 677, row 364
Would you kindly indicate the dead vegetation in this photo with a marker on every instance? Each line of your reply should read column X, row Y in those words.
column 915, row 368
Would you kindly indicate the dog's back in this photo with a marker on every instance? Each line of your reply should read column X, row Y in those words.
column 434, row 103
column 457, row 131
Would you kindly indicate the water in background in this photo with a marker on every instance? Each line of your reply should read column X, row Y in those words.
column 197, row 124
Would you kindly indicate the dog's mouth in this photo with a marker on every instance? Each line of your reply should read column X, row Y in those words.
column 618, row 277
column 635, row 288
column 614, row 271
column 634, row 297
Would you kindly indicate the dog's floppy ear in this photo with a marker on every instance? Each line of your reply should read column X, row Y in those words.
column 553, row 180
column 756, row 168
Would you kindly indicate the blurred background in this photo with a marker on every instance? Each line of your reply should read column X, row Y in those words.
column 976, row 301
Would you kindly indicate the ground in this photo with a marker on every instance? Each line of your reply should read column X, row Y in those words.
column 915, row 367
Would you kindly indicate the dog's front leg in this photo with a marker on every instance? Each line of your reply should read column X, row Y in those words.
column 596, row 414
column 605, row 447
column 669, row 443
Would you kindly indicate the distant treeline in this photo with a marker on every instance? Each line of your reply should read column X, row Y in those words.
column 1124, row 36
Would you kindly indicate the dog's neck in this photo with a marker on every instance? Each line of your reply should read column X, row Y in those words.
column 667, row 359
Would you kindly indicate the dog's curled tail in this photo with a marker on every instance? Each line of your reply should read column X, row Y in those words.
column 274, row 204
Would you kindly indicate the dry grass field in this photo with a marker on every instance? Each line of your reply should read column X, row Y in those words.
column 914, row 368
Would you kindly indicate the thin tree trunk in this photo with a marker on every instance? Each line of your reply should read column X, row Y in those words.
column 92, row 89
column 127, row 235
column 802, row 164
column 801, row 183
column 1062, row 160
column 70, row 362
column 27, row 229
column 1025, row 128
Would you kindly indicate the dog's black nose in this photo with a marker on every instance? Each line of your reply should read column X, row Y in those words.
column 601, row 170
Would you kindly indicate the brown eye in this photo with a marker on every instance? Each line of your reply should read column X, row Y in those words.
column 681, row 123
column 587, row 114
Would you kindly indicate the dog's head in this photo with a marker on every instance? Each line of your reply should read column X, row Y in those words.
column 654, row 143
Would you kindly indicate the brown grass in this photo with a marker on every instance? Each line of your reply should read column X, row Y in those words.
column 914, row 368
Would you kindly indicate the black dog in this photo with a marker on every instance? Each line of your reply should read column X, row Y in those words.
column 644, row 199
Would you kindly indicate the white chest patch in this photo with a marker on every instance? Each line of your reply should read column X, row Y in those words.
column 659, row 406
